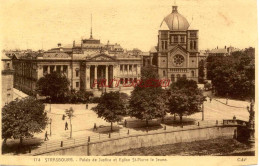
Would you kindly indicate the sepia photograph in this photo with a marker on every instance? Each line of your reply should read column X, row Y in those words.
column 125, row 82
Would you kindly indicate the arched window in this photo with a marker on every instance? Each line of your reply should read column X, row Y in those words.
column 163, row 45
column 164, row 73
column 192, row 73
column 178, row 76
column 195, row 45
column 191, row 45
column 184, row 76
column 173, row 78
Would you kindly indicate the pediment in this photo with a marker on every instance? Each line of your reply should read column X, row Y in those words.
column 179, row 49
column 102, row 57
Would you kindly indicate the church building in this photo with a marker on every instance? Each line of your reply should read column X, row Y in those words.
column 176, row 54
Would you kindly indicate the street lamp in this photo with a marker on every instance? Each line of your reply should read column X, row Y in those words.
column 50, row 121
column 50, row 104
column 251, row 123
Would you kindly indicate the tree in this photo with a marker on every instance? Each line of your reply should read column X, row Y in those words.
column 146, row 102
column 233, row 75
column 70, row 114
column 22, row 118
column 111, row 107
column 54, row 85
column 185, row 98
column 201, row 71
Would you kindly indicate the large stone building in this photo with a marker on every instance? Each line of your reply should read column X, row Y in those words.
column 7, row 79
column 177, row 52
column 85, row 65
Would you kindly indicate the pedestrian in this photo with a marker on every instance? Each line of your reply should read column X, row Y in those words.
column 95, row 127
column 86, row 106
column 210, row 99
column 46, row 136
column 234, row 117
column 66, row 126
column 125, row 122
column 63, row 117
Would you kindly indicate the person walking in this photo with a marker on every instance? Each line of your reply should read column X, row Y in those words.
column 210, row 99
column 66, row 126
column 46, row 136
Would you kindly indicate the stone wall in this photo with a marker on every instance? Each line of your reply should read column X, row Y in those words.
column 114, row 145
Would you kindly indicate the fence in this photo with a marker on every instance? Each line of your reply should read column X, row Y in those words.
column 55, row 145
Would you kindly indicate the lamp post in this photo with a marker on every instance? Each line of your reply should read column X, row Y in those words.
column 251, row 124
column 50, row 125
column 50, row 105
column 202, row 111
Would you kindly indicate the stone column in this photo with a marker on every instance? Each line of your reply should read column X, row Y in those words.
column 49, row 69
column 107, row 82
column 115, row 76
column 95, row 77
column 138, row 71
column 127, row 70
column 87, row 77
column 54, row 68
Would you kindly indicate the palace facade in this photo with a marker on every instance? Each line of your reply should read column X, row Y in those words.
column 85, row 65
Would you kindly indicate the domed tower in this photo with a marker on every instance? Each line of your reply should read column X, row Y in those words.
column 177, row 48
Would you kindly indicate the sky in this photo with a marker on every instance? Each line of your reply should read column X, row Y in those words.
column 37, row 24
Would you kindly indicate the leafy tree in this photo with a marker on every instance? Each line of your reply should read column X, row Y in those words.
column 70, row 114
column 185, row 98
column 80, row 96
column 111, row 107
column 201, row 71
column 146, row 102
column 233, row 75
column 22, row 118
column 54, row 85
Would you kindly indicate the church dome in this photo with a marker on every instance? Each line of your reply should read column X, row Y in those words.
column 175, row 21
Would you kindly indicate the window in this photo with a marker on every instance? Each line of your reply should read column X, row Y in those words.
column 52, row 68
column 135, row 80
column 77, row 84
column 182, row 39
column 126, row 80
column 58, row 69
column 184, row 75
column 178, row 76
column 178, row 60
column 163, row 45
column 125, row 67
column 172, row 77
column 8, row 65
column 175, row 39
column 65, row 68
column 45, row 70
column 166, row 45
column 121, row 67
column 192, row 73
column 121, row 80
column 164, row 74
column 191, row 45
column 130, row 67
column 77, row 72
column 195, row 45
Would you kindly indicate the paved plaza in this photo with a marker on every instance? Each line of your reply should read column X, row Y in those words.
column 84, row 119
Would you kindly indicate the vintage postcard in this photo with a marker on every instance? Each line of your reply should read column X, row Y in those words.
column 129, row 82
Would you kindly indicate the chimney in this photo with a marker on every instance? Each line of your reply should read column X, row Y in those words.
column 59, row 44
column 74, row 43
